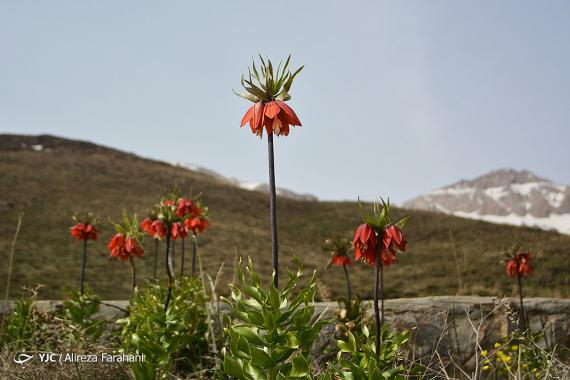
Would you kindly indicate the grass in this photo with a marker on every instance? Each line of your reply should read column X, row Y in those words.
column 49, row 186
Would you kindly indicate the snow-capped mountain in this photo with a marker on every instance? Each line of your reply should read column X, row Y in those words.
column 252, row 186
column 503, row 196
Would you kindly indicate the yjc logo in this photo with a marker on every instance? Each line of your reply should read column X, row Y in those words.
column 22, row 357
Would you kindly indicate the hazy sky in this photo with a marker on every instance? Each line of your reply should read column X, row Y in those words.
column 396, row 98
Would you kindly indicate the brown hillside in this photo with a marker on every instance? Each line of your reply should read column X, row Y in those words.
column 65, row 176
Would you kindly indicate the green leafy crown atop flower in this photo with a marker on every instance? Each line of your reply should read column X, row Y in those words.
column 380, row 217
column 267, row 84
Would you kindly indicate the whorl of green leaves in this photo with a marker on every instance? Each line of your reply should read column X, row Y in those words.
column 85, row 216
column 337, row 244
column 179, row 334
column 271, row 331
column 357, row 359
column 129, row 227
column 267, row 84
column 380, row 217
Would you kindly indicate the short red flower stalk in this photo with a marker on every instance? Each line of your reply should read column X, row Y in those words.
column 269, row 90
column 519, row 265
column 84, row 230
column 339, row 248
column 376, row 242
column 125, row 243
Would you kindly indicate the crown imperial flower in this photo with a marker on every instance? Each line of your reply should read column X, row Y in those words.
column 198, row 224
column 178, row 231
column 123, row 247
column 519, row 265
column 340, row 260
column 185, row 207
column 84, row 231
column 365, row 244
column 269, row 90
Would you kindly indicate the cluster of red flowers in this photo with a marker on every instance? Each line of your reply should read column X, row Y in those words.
column 123, row 247
column 154, row 228
column 366, row 244
column 519, row 265
column 275, row 116
column 177, row 218
column 84, row 231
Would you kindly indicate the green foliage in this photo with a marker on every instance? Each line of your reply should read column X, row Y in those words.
column 518, row 357
column 79, row 311
column 24, row 327
column 357, row 358
column 273, row 329
column 172, row 340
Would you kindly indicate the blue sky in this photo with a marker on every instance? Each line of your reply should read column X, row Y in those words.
column 396, row 98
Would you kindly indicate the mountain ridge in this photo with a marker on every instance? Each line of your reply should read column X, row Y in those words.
column 510, row 196
column 50, row 143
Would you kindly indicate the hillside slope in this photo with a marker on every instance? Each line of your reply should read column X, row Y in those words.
column 50, row 182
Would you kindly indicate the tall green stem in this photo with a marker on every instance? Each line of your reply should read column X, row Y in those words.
column 378, row 265
column 182, row 258
column 273, row 209
column 168, row 272
column 348, row 288
column 381, row 293
column 83, row 265
column 523, row 317
column 173, row 255
column 194, row 246
column 133, row 273
column 155, row 259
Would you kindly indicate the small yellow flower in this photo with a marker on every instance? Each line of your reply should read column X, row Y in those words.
column 484, row 352
column 514, row 347
column 486, row 368
column 497, row 345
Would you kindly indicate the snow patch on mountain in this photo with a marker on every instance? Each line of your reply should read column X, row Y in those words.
column 503, row 196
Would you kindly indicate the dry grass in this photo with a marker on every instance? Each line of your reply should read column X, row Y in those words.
column 34, row 370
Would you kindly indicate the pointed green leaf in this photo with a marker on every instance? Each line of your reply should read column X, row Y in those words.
column 402, row 222
column 234, row 367
column 300, row 367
